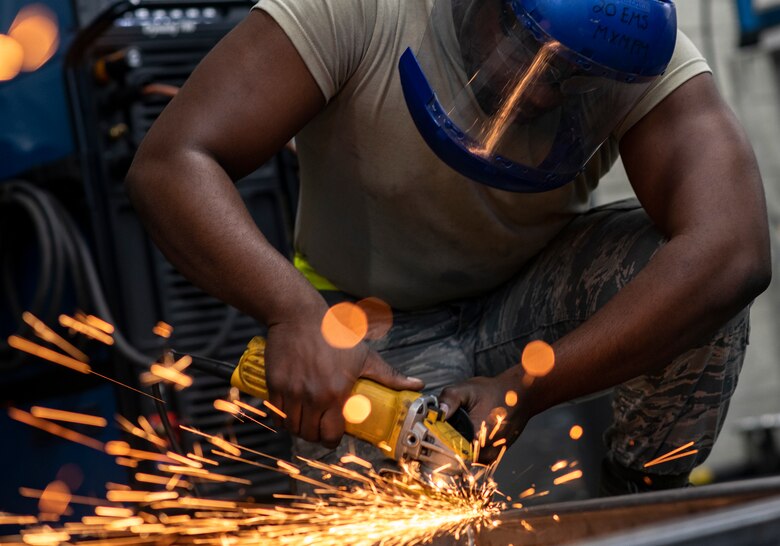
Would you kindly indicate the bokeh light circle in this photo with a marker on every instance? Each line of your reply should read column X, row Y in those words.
column 357, row 409
column 575, row 433
column 344, row 325
column 380, row 317
column 11, row 57
column 55, row 498
column 35, row 28
column 538, row 358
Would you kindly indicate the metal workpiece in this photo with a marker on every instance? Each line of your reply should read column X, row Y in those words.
column 736, row 513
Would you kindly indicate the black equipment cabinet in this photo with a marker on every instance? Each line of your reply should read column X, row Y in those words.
column 127, row 47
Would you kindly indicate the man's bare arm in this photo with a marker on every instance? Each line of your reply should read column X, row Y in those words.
column 695, row 174
column 247, row 98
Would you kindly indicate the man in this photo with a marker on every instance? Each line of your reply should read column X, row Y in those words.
column 473, row 273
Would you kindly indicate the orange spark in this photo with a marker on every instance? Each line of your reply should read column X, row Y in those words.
column 44, row 536
column 527, row 493
column 227, row 407
column 145, row 433
column 508, row 109
column 560, row 465
column 125, row 386
column 482, row 435
column 173, row 481
column 191, row 502
column 152, row 478
column 201, row 473
column 510, row 399
column 53, row 428
column 441, row 468
column 99, row 323
column 499, row 421
column 344, row 325
column 224, row 444
column 200, row 459
column 670, row 455
column 673, row 457
column 288, row 467
column 274, row 409
column 183, row 363
column 150, row 435
column 47, row 334
column 123, row 523
column 113, row 511
column 11, row 519
column 124, row 461
column 169, row 374
column 247, row 407
column 184, row 460
column 163, row 329
column 123, row 449
column 86, row 329
column 346, row 459
column 568, row 477
column 140, row 496
column 40, row 351
column 68, row 416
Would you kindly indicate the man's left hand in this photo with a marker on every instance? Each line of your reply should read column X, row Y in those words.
column 486, row 401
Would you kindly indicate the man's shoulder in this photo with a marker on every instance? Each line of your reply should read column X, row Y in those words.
column 686, row 62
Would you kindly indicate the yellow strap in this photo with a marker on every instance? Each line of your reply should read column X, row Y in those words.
column 317, row 281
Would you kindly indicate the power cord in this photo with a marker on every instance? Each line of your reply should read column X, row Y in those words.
column 62, row 250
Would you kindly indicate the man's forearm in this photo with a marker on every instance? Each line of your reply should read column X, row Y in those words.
column 687, row 291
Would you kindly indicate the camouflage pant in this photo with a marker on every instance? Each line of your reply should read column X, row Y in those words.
column 576, row 274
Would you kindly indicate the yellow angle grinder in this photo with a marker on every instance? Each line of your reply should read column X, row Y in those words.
column 406, row 425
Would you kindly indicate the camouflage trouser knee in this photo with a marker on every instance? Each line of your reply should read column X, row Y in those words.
column 576, row 274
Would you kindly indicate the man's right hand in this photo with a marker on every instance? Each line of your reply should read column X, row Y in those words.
column 310, row 380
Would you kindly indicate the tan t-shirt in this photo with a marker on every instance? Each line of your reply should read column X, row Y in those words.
column 379, row 213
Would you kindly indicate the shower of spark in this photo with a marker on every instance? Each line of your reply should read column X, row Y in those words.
column 397, row 508
column 672, row 455
column 394, row 509
column 389, row 508
column 508, row 110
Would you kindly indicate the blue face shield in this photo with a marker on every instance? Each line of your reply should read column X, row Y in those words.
column 519, row 94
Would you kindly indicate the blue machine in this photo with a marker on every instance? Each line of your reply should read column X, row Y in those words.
column 33, row 106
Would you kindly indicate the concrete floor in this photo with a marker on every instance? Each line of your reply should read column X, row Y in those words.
column 749, row 79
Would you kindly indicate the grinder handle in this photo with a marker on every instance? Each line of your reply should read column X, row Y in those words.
column 388, row 407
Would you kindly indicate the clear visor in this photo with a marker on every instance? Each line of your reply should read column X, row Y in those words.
column 517, row 95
